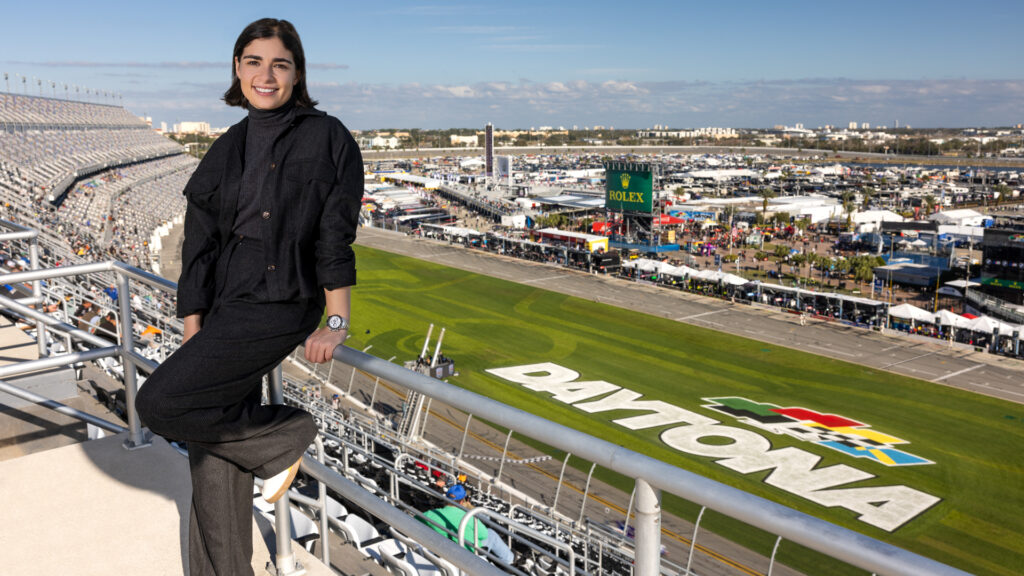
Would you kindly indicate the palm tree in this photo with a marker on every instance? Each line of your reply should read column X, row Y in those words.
column 766, row 195
column 868, row 193
column 848, row 208
column 929, row 203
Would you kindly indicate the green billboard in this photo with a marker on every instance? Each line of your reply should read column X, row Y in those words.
column 629, row 188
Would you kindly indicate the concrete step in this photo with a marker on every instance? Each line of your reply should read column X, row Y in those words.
column 94, row 508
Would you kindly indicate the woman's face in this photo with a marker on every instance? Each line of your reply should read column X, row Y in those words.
column 266, row 72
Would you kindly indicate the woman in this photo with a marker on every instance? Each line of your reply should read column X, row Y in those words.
column 272, row 213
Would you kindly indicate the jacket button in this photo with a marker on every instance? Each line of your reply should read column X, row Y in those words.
column 273, row 165
column 266, row 215
column 271, row 267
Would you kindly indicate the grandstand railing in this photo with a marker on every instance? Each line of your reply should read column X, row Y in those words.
column 133, row 362
column 651, row 476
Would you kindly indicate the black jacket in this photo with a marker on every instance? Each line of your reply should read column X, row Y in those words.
column 311, row 200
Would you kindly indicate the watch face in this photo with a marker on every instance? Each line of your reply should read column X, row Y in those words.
column 334, row 322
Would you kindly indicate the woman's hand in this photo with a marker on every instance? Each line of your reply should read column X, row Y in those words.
column 320, row 344
column 193, row 322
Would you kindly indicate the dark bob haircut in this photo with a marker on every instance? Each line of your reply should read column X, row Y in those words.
column 270, row 28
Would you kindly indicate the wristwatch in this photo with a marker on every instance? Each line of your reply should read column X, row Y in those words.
column 336, row 323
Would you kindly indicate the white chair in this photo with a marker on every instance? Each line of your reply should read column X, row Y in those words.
column 304, row 530
column 446, row 568
column 335, row 509
column 410, row 563
column 364, row 536
column 415, row 560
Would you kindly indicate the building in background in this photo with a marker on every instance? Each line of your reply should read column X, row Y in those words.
column 202, row 128
column 489, row 150
column 467, row 141
column 1002, row 264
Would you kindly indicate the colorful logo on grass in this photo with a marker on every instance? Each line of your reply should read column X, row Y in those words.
column 836, row 432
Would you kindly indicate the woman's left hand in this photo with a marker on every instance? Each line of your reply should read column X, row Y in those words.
column 320, row 345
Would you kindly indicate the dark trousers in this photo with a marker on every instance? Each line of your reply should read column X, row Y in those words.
column 207, row 394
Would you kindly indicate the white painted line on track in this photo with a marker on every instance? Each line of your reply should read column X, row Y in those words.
column 907, row 360
column 891, row 348
column 691, row 317
column 542, row 279
column 957, row 373
column 1001, row 390
column 833, row 350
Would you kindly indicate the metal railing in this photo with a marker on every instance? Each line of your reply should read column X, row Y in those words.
column 132, row 361
column 652, row 476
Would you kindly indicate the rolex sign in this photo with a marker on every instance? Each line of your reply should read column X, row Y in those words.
column 629, row 188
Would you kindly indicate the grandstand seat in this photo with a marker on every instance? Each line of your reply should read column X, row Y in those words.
column 335, row 509
column 304, row 530
column 363, row 535
column 446, row 567
column 409, row 563
column 417, row 560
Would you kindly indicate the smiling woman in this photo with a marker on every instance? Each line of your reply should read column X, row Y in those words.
column 269, row 65
column 271, row 217
column 266, row 73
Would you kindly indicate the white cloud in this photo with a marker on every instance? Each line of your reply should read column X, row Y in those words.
column 524, row 103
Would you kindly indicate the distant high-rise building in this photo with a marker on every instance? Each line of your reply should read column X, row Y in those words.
column 865, row 126
column 852, row 126
column 193, row 128
column 163, row 126
column 489, row 149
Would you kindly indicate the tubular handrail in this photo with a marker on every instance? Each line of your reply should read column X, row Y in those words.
column 513, row 527
column 408, row 525
column 58, row 407
column 841, row 543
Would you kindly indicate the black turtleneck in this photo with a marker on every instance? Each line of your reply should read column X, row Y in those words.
column 263, row 129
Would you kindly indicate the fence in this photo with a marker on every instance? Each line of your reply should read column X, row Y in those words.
column 651, row 476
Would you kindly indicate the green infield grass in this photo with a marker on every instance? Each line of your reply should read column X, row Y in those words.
column 973, row 441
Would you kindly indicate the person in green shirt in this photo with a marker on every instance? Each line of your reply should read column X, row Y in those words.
column 446, row 521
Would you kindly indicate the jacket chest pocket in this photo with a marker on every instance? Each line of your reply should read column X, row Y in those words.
column 308, row 172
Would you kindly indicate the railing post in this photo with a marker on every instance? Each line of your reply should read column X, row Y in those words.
column 586, row 492
column 37, row 295
column 647, row 529
column 285, row 561
column 693, row 541
column 136, row 439
column 465, row 433
column 504, row 455
column 775, row 549
column 325, row 549
column 558, row 489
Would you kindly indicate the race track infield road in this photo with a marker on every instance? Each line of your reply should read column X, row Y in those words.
column 937, row 361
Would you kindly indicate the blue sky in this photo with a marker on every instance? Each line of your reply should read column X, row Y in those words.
column 535, row 63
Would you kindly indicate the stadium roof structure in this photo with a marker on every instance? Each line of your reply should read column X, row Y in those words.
column 572, row 201
column 427, row 183
column 453, row 230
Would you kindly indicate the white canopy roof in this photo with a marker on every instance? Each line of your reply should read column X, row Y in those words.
column 947, row 318
column 988, row 325
column 912, row 312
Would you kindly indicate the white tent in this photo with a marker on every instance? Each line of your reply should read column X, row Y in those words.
column 988, row 326
column 947, row 318
column 733, row 279
column 912, row 312
column 678, row 271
